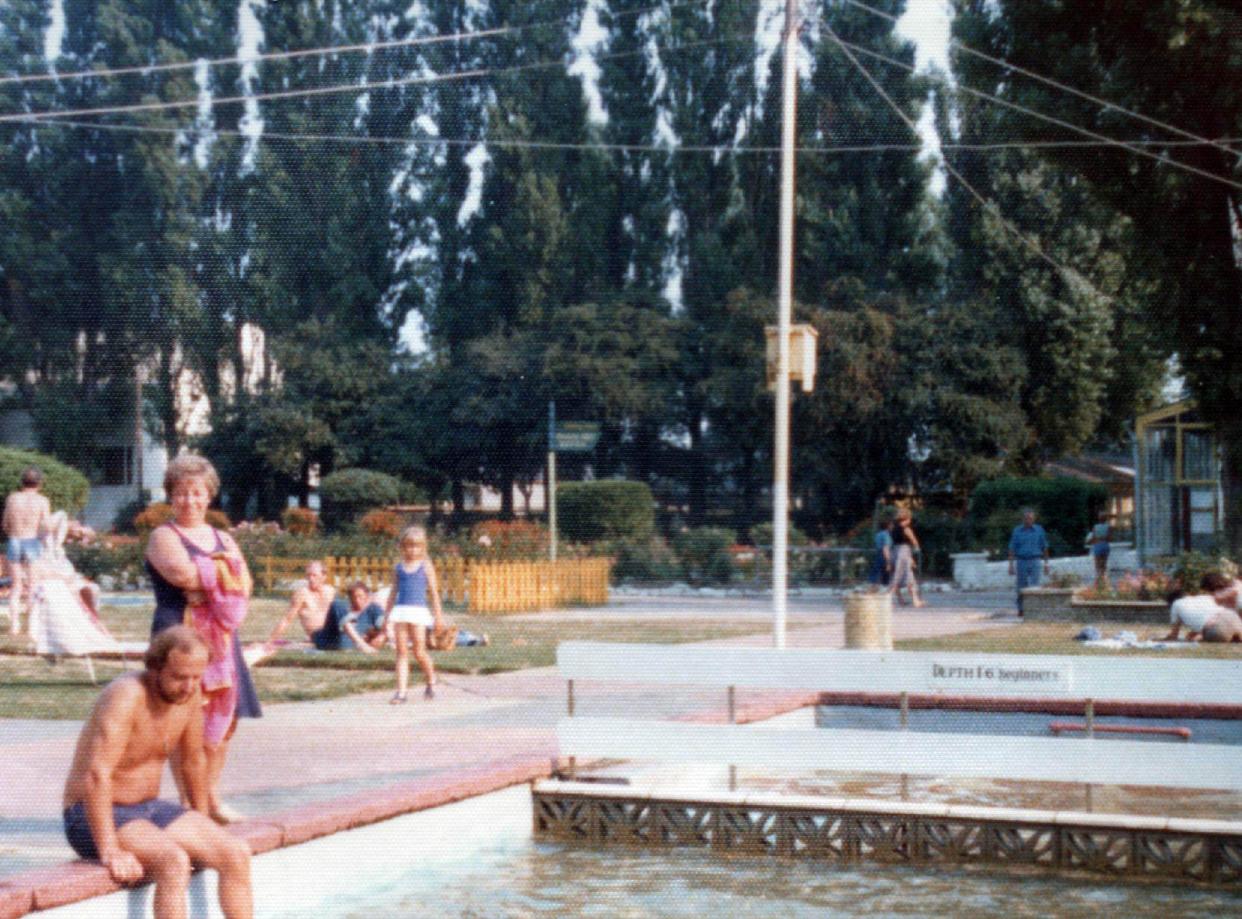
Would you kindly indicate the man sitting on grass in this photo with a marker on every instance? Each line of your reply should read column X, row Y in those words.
column 312, row 605
column 361, row 623
column 112, row 813
column 1212, row 615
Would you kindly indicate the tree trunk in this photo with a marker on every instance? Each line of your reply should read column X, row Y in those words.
column 304, row 484
column 458, row 491
column 506, row 496
column 168, row 400
column 698, row 471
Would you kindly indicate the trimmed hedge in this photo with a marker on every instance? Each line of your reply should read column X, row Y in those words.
column 1066, row 508
column 347, row 494
column 606, row 509
column 64, row 486
column 704, row 554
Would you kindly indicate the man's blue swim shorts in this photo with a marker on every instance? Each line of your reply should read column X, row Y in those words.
column 78, row 830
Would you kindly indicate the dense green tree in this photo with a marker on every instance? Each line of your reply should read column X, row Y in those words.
column 1175, row 62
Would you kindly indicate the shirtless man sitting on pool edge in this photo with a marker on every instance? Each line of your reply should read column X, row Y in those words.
column 111, row 810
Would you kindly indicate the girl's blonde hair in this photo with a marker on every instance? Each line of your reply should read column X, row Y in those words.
column 412, row 533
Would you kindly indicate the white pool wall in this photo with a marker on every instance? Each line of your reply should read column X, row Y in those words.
column 305, row 879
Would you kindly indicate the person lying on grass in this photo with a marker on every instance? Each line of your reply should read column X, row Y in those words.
column 1211, row 616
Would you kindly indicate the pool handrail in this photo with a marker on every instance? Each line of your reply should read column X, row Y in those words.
column 1145, row 679
column 1077, row 759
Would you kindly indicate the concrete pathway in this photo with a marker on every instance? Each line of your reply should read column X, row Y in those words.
column 304, row 752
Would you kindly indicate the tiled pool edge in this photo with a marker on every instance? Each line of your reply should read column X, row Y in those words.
column 844, row 830
column 46, row 888
column 71, row 882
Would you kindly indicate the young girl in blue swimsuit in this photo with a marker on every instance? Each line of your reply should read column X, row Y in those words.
column 413, row 585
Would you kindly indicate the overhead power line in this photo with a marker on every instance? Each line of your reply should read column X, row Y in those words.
column 1064, row 87
column 321, row 51
column 172, row 67
column 1070, row 274
column 675, row 148
column 1051, row 119
column 338, row 88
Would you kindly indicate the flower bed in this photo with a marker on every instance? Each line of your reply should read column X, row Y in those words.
column 1140, row 586
column 1061, row 604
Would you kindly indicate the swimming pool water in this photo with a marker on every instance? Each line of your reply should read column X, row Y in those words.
column 1203, row 730
column 477, row 859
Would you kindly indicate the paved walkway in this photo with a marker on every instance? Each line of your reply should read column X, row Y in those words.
column 311, row 751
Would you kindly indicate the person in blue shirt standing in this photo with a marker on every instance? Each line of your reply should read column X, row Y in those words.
column 1028, row 553
column 882, row 560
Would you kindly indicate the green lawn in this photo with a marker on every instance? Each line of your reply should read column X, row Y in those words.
column 31, row 687
column 1058, row 638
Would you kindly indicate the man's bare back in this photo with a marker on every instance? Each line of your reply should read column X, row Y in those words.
column 24, row 513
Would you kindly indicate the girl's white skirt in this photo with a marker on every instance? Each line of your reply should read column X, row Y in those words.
column 413, row 615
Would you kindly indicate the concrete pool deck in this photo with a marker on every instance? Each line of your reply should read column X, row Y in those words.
column 311, row 768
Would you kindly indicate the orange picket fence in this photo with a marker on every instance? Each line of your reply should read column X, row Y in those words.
column 483, row 587
column 514, row 587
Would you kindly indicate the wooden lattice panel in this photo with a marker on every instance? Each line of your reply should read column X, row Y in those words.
column 815, row 835
column 1172, row 856
column 749, row 831
column 952, row 841
column 681, row 824
column 1227, row 860
column 1023, row 845
column 565, row 818
column 883, row 837
column 846, row 835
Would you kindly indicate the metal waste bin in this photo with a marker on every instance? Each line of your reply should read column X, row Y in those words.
column 869, row 621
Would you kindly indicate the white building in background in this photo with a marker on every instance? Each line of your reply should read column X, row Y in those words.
column 116, row 484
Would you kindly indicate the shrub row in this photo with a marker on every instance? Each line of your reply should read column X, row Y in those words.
column 65, row 487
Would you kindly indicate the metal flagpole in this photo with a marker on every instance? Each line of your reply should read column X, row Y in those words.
column 550, row 491
column 780, row 464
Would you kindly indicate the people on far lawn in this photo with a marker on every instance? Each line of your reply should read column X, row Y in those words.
column 882, row 559
column 1210, row 616
column 1028, row 553
column 312, row 604
column 904, row 551
column 1098, row 542
column 361, row 621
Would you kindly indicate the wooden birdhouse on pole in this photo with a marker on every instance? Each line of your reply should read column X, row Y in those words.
column 803, row 341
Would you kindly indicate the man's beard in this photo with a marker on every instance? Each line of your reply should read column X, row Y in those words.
column 172, row 698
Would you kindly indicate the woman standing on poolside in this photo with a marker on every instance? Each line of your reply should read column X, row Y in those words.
column 173, row 549
column 905, row 545
column 413, row 584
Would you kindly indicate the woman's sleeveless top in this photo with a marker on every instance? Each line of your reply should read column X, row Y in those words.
column 170, row 610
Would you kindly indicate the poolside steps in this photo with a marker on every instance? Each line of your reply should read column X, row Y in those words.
column 848, row 830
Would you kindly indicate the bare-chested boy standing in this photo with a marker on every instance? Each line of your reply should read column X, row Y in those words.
column 25, row 512
column 111, row 810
